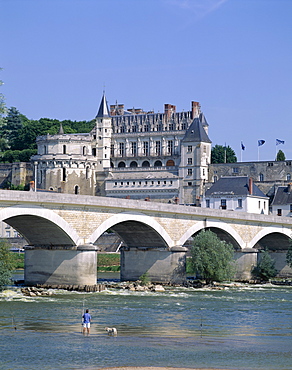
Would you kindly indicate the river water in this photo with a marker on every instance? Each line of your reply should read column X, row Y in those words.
column 245, row 327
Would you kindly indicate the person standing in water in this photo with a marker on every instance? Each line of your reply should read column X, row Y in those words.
column 86, row 322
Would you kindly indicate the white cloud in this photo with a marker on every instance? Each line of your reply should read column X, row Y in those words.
column 199, row 8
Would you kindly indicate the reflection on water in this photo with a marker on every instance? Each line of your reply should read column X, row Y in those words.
column 239, row 328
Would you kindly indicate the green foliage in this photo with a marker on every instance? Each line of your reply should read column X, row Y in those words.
column 106, row 259
column 289, row 256
column 222, row 154
column 280, row 156
column 144, row 279
column 265, row 268
column 17, row 259
column 6, row 264
column 18, row 142
column 212, row 258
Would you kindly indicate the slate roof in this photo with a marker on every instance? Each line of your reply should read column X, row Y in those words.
column 234, row 185
column 196, row 132
column 283, row 196
column 103, row 108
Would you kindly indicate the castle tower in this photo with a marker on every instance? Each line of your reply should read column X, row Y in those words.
column 195, row 159
column 103, row 136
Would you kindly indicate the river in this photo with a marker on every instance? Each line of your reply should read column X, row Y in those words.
column 244, row 327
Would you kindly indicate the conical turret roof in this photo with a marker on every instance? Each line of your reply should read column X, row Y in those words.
column 196, row 133
column 103, row 108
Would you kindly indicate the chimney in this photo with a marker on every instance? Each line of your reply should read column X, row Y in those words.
column 195, row 109
column 168, row 110
column 250, row 185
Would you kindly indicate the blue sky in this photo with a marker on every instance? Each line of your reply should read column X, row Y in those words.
column 233, row 56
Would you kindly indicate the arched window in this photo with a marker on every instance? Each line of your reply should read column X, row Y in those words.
column 145, row 164
column 64, row 149
column 288, row 176
column 158, row 164
column 133, row 164
column 76, row 189
column 87, row 172
column 121, row 164
column 261, row 177
column 84, row 150
column 170, row 163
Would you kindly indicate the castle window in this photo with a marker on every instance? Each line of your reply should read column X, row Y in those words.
column 64, row 149
column 239, row 203
column 146, row 128
column 122, row 129
column 170, row 163
column 121, row 165
column 215, row 178
column 183, row 126
column 76, row 189
column 152, row 182
column 235, row 170
column 84, row 150
column 145, row 148
column 259, row 204
column 140, row 182
column 145, row 164
column 170, row 147
column 164, row 182
column 279, row 212
column 190, row 148
column 94, row 152
column 87, row 172
column 270, row 164
column 190, row 184
column 45, row 149
column 133, row 148
column 134, row 128
column 122, row 183
column 116, row 183
column 288, row 176
column 158, row 182
column 170, row 182
column 157, row 147
column 121, row 149
column 290, row 207
column 190, row 161
column 190, row 171
column 157, row 164
column 261, row 177
column 207, row 203
column 128, row 183
column 63, row 174
column 133, row 164
column 112, row 150
column 288, row 163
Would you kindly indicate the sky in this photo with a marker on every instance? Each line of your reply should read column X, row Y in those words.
column 232, row 56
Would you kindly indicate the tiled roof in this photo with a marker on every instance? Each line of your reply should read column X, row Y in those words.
column 196, row 132
column 234, row 185
column 283, row 196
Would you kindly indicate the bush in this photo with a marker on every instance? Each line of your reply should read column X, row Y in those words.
column 212, row 258
column 265, row 268
column 7, row 265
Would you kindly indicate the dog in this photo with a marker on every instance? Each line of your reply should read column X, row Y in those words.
column 111, row 331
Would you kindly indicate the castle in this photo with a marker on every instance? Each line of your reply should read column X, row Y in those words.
column 130, row 154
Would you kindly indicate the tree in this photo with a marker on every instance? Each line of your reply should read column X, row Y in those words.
column 212, row 258
column 265, row 268
column 289, row 256
column 6, row 264
column 222, row 154
column 280, row 156
column 12, row 126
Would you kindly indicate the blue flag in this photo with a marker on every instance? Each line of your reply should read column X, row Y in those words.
column 261, row 142
column 242, row 146
column 279, row 142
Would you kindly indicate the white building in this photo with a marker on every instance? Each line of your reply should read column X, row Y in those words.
column 282, row 202
column 130, row 154
column 236, row 193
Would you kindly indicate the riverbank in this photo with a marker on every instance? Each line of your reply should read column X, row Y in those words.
column 159, row 368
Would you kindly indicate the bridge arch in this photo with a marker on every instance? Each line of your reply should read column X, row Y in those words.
column 132, row 227
column 40, row 226
column 218, row 225
column 271, row 236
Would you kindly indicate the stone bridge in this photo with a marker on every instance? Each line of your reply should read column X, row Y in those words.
column 61, row 230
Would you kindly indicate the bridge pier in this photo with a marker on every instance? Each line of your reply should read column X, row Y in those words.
column 61, row 265
column 161, row 265
column 245, row 260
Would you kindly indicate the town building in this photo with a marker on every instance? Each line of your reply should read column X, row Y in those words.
column 130, row 154
column 236, row 194
column 282, row 202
